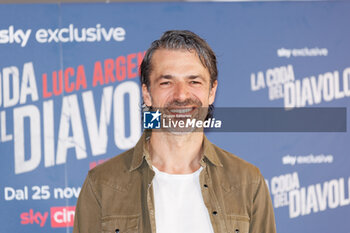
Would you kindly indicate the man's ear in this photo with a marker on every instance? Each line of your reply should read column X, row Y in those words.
column 212, row 92
column 146, row 95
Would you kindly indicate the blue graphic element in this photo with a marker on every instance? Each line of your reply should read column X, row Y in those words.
column 259, row 46
column 151, row 120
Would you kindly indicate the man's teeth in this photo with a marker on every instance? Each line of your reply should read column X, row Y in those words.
column 186, row 110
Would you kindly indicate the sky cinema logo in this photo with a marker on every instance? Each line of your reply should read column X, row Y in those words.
column 61, row 216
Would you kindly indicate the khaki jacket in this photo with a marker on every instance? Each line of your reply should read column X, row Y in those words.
column 117, row 196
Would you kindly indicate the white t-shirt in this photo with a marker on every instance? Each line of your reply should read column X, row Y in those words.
column 179, row 205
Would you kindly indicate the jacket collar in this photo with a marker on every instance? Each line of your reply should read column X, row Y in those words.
column 141, row 153
column 210, row 152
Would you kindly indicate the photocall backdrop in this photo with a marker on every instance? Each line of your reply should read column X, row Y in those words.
column 70, row 100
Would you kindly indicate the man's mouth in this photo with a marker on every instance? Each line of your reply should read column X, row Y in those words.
column 181, row 110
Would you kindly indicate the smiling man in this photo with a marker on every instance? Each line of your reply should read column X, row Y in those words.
column 175, row 180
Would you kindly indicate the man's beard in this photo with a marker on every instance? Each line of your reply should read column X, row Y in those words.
column 175, row 112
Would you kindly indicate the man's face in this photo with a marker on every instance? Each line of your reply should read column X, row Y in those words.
column 179, row 83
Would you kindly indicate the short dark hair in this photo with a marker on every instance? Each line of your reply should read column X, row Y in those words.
column 176, row 40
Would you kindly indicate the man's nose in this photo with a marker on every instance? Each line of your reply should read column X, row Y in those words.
column 181, row 91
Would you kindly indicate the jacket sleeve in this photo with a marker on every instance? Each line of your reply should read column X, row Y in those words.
column 262, row 217
column 88, row 210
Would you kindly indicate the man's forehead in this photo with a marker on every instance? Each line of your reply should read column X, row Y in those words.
column 173, row 52
column 176, row 58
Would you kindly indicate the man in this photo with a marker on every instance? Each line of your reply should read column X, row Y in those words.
column 173, row 180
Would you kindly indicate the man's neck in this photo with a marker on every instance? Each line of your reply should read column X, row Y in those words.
column 176, row 154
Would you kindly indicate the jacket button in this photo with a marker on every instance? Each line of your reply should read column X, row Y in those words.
column 215, row 212
column 205, row 186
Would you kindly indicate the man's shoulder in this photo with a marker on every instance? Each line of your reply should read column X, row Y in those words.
column 113, row 171
column 236, row 168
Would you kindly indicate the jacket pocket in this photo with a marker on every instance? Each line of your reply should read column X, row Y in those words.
column 121, row 224
column 238, row 224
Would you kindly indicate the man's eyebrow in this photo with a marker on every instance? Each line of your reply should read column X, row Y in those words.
column 195, row 77
column 167, row 76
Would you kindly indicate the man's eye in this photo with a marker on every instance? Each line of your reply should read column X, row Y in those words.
column 195, row 82
column 164, row 83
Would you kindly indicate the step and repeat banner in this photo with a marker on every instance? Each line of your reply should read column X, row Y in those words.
column 70, row 100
